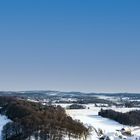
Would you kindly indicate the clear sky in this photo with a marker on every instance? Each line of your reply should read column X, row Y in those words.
column 70, row 45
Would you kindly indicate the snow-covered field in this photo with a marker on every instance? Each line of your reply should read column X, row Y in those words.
column 90, row 117
column 3, row 120
column 109, row 127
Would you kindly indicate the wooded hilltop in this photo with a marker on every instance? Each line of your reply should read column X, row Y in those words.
column 41, row 121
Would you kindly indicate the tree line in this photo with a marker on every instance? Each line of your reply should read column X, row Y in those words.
column 131, row 118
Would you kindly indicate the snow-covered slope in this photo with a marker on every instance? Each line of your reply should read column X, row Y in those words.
column 3, row 120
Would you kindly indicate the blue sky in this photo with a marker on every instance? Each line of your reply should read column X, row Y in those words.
column 73, row 45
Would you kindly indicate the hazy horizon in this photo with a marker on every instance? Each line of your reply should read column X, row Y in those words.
column 86, row 46
column 68, row 91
